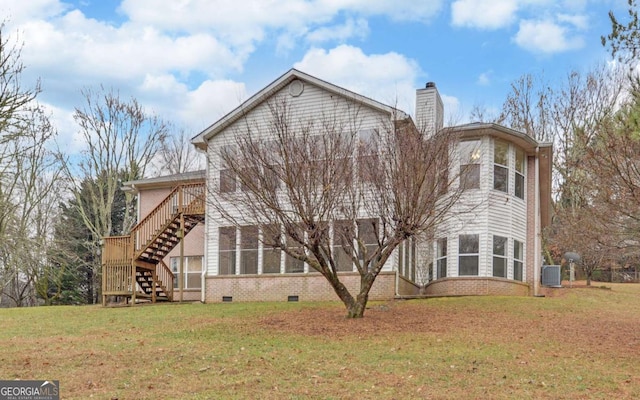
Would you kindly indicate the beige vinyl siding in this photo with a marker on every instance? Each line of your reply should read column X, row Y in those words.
column 312, row 103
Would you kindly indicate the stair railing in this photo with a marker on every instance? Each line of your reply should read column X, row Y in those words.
column 187, row 198
column 166, row 278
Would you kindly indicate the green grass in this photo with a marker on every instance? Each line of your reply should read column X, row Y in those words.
column 582, row 344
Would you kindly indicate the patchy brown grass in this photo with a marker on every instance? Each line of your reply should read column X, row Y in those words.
column 579, row 343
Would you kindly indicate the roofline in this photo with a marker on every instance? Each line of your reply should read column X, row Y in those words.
column 477, row 128
column 164, row 181
column 200, row 140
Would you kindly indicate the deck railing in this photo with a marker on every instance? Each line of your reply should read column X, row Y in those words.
column 116, row 250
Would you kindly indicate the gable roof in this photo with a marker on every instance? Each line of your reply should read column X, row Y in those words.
column 200, row 141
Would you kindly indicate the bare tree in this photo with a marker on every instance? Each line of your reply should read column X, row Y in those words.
column 34, row 192
column 26, row 171
column 177, row 155
column 121, row 139
column 330, row 194
column 614, row 161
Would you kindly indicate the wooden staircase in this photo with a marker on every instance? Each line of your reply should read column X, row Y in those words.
column 132, row 266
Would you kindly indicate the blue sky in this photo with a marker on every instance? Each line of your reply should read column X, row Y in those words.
column 191, row 61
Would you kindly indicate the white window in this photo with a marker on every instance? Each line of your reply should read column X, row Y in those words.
column 519, row 178
column 227, row 250
column 271, row 253
column 470, row 164
column 441, row 258
column 249, row 250
column 499, row 256
column 293, row 264
column 342, row 231
column 368, row 155
column 227, row 176
column 518, row 257
column 368, row 235
column 192, row 271
column 468, row 254
column 501, row 166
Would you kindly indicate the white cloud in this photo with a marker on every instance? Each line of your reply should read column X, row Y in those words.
column 18, row 11
column 484, row 79
column 249, row 21
column 547, row 37
column 388, row 78
column 210, row 101
column 351, row 28
column 580, row 22
column 483, row 14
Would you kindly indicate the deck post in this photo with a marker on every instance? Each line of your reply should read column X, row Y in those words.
column 153, row 285
column 181, row 278
column 134, row 283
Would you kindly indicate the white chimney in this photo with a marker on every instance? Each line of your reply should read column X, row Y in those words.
column 429, row 109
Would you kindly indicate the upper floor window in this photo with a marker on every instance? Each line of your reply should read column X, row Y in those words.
column 470, row 164
column 367, row 155
column 519, row 181
column 468, row 254
column 501, row 166
column 227, row 176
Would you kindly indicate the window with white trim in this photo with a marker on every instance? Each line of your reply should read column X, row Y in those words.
column 227, row 176
column 501, row 166
column 470, row 164
column 293, row 264
column 519, row 174
column 499, row 256
column 468, row 254
column 342, row 230
column 518, row 258
column 271, row 253
column 368, row 235
column 248, row 250
column 227, row 250
column 192, row 272
column 441, row 258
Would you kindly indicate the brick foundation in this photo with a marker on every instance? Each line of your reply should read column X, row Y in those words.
column 308, row 287
column 477, row 286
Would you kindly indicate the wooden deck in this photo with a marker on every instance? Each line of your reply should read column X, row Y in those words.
column 132, row 265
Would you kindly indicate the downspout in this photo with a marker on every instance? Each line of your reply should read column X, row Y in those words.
column 538, row 238
column 205, row 257
column 397, row 282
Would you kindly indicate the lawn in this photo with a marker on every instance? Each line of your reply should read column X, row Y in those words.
column 573, row 344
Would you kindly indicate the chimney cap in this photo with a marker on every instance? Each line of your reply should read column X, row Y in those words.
column 430, row 85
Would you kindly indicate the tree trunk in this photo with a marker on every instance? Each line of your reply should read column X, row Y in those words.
column 356, row 310
column 358, row 307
